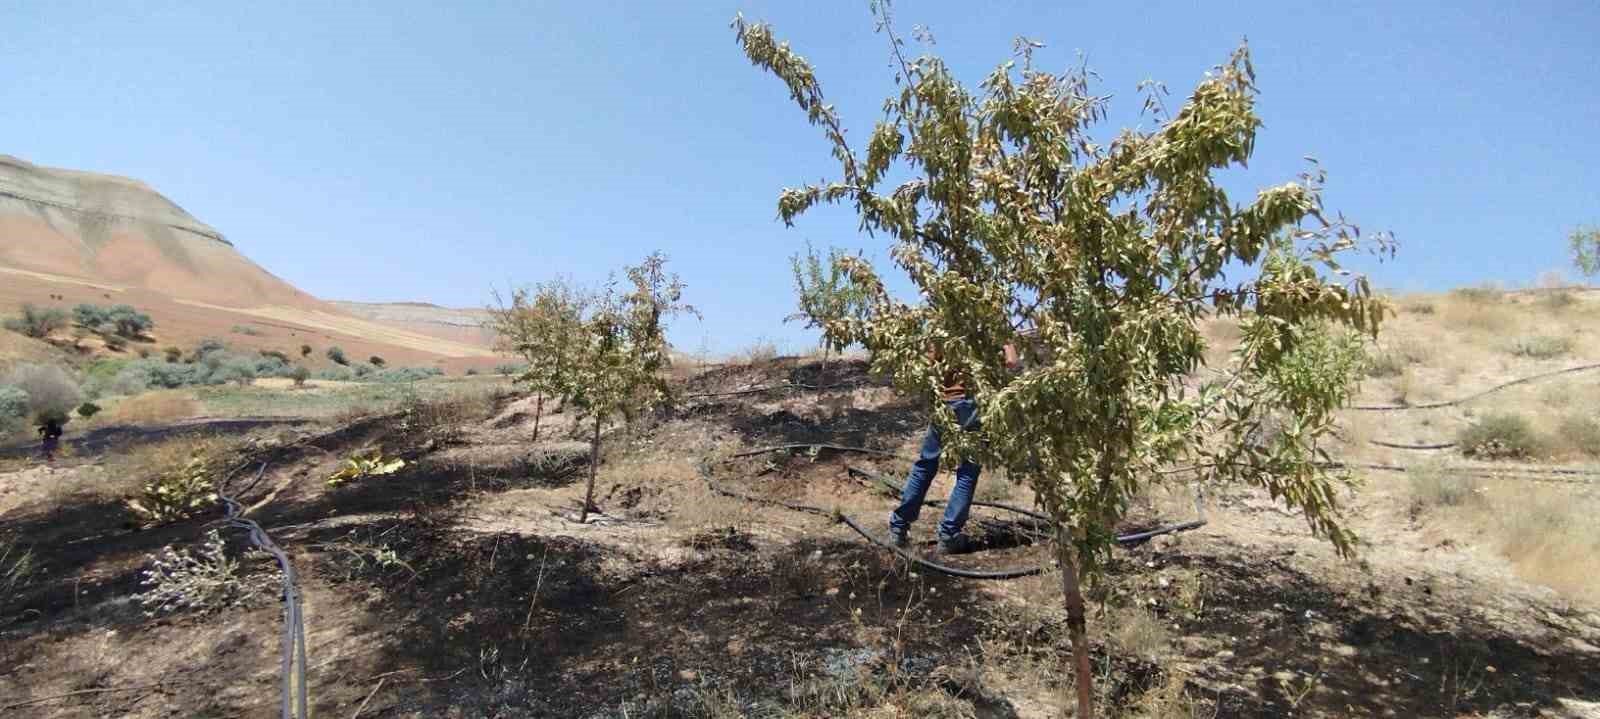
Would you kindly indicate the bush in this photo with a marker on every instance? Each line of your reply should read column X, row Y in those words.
column 116, row 343
column 177, row 492
column 1422, row 307
column 1580, row 433
column 300, row 374
column 376, row 361
column 1482, row 295
column 305, row 350
column 129, row 322
column 1558, row 300
column 268, row 366
column 51, row 392
column 1437, row 487
column 1500, row 436
column 336, row 374
column 180, row 580
column 245, row 330
column 173, row 354
column 363, row 370
column 509, row 369
column 336, row 355
column 207, row 347
column 1386, row 364
column 1541, row 347
column 90, row 317
column 13, row 402
column 407, row 374
column 88, row 409
column 37, row 323
column 239, row 370
column 472, row 371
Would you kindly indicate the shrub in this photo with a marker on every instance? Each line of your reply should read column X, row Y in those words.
column 207, row 347
column 1580, row 433
column 1437, row 487
column 90, row 317
column 362, row 370
column 336, row 374
column 128, row 322
column 305, row 350
column 1558, row 300
column 1422, row 307
column 336, row 355
column 509, row 369
column 88, row 409
column 472, row 371
column 376, row 361
column 1500, row 436
column 179, row 580
column 173, row 354
column 37, row 323
column 1482, row 294
column 177, row 492
column 407, row 374
column 1541, row 347
column 13, row 402
column 1386, row 364
column 300, row 374
column 274, row 354
column 144, row 353
column 245, row 330
column 239, row 370
column 116, row 343
column 269, row 366
column 51, row 392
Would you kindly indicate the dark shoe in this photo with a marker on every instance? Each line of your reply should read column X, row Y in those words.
column 954, row 544
column 897, row 537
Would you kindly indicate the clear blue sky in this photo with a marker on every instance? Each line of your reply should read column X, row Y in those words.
column 414, row 151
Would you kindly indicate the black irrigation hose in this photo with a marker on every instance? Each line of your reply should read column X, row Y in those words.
column 294, row 661
column 1396, row 445
column 1529, row 474
column 792, row 447
column 1470, row 397
column 719, row 488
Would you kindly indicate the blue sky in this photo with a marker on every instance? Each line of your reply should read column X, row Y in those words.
column 416, row 151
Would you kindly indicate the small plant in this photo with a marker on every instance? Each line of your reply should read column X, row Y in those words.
column 376, row 361
column 13, row 403
column 16, row 567
column 300, row 374
column 336, row 355
column 1434, row 486
column 508, row 369
column 1500, row 436
column 305, row 350
column 1580, row 433
column 1584, row 244
column 1481, row 295
column 176, row 493
column 88, row 409
column 246, row 330
column 116, row 343
column 1386, row 364
column 361, row 466
column 207, row 580
column 173, row 355
column 275, row 355
column 472, row 371
column 1541, row 347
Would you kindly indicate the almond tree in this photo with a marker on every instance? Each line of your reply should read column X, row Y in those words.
column 623, row 353
column 827, row 296
column 1110, row 255
column 545, row 327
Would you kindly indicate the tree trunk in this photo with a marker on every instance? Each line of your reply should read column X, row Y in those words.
column 1077, row 623
column 594, row 466
column 538, row 411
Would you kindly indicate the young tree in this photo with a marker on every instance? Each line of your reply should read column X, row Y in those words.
column 545, row 327
column 305, row 350
column 1109, row 257
column 827, row 297
column 1584, row 244
column 336, row 354
column 620, row 372
column 376, row 361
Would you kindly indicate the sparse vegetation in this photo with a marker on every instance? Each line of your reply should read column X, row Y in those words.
column 1483, row 294
column 246, row 330
column 362, row 466
column 124, row 321
column 1584, row 245
column 336, row 355
column 1500, row 435
column 1436, row 486
column 36, row 322
column 1541, row 347
column 1580, row 434
column 180, row 488
column 300, row 374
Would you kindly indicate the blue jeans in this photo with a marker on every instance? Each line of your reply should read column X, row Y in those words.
column 927, row 465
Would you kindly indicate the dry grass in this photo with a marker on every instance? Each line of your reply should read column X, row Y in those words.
column 1549, row 535
column 1135, row 632
column 158, row 407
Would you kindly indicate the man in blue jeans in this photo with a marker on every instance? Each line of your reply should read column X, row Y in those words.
column 951, row 541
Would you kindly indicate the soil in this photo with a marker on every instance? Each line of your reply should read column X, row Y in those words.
column 462, row 586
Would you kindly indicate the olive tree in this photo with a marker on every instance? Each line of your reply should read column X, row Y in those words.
column 620, row 372
column 826, row 296
column 1018, row 226
column 544, row 326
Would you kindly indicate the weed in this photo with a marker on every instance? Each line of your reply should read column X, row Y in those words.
column 183, row 485
column 1436, row 486
column 362, row 466
column 796, row 577
column 1500, row 435
column 246, row 330
column 16, row 568
column 1138, row 633
column 1541, row 347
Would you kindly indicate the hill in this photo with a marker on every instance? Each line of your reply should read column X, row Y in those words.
column 68, row 237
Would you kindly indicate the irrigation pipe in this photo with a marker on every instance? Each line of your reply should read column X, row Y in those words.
column 293, row 665
column 1470, row 397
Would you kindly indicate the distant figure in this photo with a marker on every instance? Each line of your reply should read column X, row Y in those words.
column 50, row 433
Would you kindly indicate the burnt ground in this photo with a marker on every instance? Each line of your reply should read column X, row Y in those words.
column 460, row 587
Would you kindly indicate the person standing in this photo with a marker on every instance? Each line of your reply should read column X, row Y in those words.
column 957, row 395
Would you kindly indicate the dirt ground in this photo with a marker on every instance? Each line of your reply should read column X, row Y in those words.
column 463, row 586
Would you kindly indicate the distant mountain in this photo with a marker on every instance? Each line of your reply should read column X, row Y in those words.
column 68, row 236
